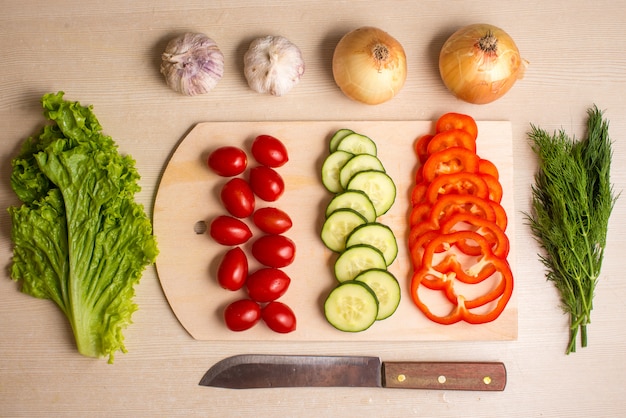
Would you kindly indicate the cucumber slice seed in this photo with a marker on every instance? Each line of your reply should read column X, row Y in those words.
column 378, row 236
column 357, row 144
column 351, row 307
column 360, row 162
column 385, row 287
column 330, row 170
column 356, row 259
column 337, row 137
column 355, row 200
column 338, row 226
column 379, row 186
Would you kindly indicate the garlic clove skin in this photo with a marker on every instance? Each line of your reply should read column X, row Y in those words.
column 273, row 65
column 192, row 64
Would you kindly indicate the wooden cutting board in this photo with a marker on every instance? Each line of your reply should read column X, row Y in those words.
column 188, row 198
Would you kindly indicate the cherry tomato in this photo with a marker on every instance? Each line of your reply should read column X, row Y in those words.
column 242, row 314
column 267, row 284
column 233, row 269
column 274, row 250
column 227, row 230
column 238, row 198
column 269, row 151
column 279, row 317
column 228, row 161
column 272, row 220
column 266, row 183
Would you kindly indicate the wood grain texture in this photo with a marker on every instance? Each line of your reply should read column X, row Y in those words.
column 107, row 54
column 189, row 194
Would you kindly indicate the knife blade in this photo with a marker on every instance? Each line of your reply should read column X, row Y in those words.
column 248, row 371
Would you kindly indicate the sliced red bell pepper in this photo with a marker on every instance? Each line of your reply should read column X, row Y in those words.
column 450, row 204
column 489, row 230
column 448, row 161
column 457, row 183
column 451, row 138
column 495, row 188
column 449, row 271
column 457, row 121
column 421, row 147
column 418, row 194
column 419, row 213
column 487, row 167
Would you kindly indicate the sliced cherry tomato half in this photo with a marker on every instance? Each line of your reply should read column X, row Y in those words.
column 269, row 151
column 279, row 317
column 457, row 121
column 451, row 138
column 266, row 183
column 238, row 198
column 227, row 230
column 449, row 161
column 267, row 284
column 228, row 161
column 233, row 269
column 272, row 220
column 242, row 314
column 274, row 250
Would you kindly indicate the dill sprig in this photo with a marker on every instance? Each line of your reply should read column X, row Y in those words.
column 572, row 199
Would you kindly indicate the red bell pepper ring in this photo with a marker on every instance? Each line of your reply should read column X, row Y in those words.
column 450, row 204
column 487, row 167
column 489, row 230
column 451, row 138
column 447, row 273
column 418, row 194
column 467, row 268
column 457, row 183
column 495, row 188
column 421, row 147
column 419, row 213
column 453, row 120
column 448, row 161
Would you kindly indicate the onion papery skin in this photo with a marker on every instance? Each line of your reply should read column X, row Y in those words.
column 477, row 74
column 369, row 65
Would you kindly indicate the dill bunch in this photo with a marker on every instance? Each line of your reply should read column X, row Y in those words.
column 572, row 200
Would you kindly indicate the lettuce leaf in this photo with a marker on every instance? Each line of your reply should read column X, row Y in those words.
column 79, row 237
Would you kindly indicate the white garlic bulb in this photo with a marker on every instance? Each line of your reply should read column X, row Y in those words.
column 192, row 64
column 273, row 65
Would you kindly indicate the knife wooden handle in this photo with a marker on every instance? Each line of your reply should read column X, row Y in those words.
column 483, row 376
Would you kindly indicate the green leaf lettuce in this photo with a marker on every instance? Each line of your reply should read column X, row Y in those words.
column 79, row 237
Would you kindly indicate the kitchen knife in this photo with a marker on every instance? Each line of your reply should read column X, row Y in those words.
column 269, row 371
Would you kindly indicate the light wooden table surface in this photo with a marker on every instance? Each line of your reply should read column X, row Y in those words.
column 106, row 53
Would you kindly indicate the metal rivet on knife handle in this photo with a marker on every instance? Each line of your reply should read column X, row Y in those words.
column 480, row 376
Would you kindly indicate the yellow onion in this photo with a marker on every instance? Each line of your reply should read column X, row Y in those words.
column 369, row 65
column 479, row 63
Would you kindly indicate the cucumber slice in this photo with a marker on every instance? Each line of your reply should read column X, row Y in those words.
column 378, row 236
column 357, row 259
column 387, row 290
column 338, row 136
column 378, row 186
column 351, row 306
column 338, row 226
column 330, row 170
column 361, row 162
column 355, row 200
column 357, row 144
